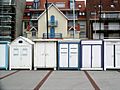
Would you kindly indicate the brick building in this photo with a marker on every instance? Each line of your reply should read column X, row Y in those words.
column 103, row 18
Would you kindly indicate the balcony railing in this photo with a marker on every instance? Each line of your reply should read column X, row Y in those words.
column 53, row 24
column 108, row 27
column 71, row 17
column 56, row 35
column 110, row 16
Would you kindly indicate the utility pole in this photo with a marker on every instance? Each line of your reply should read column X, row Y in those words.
column 74, row 18
column 46, row 6
column 100, row 6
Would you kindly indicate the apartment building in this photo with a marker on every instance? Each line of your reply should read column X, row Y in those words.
column 103, row 19
column 37, row 7
column 11, row 12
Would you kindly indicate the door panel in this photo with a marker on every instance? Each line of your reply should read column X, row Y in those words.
column 117, row 55
column 40, row 62
column 50, row 54
column 63, row 62
column 2, row 55
column 73, row 55
column 24, row 56
column 96, row 56
column 109, row 56
column 15, row 56
column 86, row 56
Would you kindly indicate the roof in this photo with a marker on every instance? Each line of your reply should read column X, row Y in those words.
column 4, row 42
column 52, row 5
column 33, row 28
column 25, row 39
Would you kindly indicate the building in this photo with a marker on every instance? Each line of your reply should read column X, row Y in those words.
column 57, row 24
column 11, row 12
column 37, row 7
column 103, row 19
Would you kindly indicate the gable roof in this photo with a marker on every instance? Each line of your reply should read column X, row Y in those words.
column 33, row 28
column 52, row 5
column 23, row 38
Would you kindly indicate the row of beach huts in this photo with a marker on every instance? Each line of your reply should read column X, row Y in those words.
column 77, row 54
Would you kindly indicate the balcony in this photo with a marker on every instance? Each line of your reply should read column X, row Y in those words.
column 56, row 35
column 107, row 27
column 53, row 24
column 110, row 16
column 70, row 17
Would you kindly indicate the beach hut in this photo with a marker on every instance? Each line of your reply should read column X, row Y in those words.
column 21, row 53
column 92, row 55
column 68, row 54
column 4, row 54
column 45, row 53
column 111, row 54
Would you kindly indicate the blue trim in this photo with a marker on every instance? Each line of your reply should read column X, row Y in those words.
column 6, row 55
column 80, row 55
column 58, row 56
column 68, row 55
column 91, row 54
column 68, row 42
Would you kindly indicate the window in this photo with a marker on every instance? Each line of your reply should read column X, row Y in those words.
column 15, row 51
column 71, row 4
column 24, row 51
column 81, row 13
column 26, row 24
column 33, row 33
column 93, row 13
column 28, row 7
column 52, row 19
column 112, row 6
column 36, row 4
column 20, row 41
column 80, row 6
column 60, row 4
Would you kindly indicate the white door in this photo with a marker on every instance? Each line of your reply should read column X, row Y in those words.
column 86, row 56
column 117, row 56
column 40, row 62
column 50, row 49
column 96, row 56
column 73, row 55
column 109, row 56
column 2, row 55
column 63, row 62
column 15, row 57
column 25, row 56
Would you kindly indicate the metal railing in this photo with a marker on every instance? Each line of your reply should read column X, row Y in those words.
column 55, row 23
column 108, row 27
column 111, row 16
column 56, row 35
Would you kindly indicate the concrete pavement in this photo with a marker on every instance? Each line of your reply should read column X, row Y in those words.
column 59, row 80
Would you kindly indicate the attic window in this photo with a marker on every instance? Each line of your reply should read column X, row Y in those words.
column 20, row 41
column 80, row 6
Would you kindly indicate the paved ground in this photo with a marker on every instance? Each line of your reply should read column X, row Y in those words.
column 59, row 80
